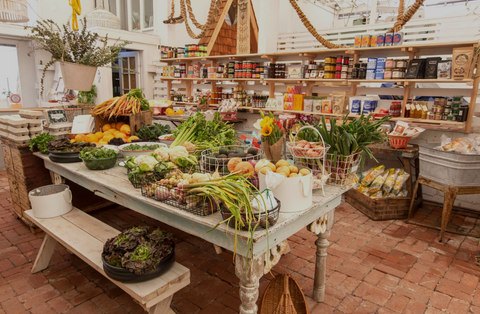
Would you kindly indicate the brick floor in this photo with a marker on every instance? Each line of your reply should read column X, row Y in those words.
column 372, row 267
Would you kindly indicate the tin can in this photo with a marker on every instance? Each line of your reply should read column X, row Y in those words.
column 398, row 39
column 387, row 74
column 401, row 63
column 380, row 40
column 438, row 116
column 373, row 41
column 357, row 43
column 398, row 73
column 344, row 75
column 390, row 64
column 388, row 39
column 338, row 74
column 366, row 41
column 344, row 68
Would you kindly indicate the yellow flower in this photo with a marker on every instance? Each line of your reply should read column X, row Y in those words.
column 266, row 121
column 266, row 130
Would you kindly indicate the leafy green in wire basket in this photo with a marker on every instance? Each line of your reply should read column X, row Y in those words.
column 41, row 142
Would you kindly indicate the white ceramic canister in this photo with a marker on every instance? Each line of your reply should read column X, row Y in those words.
column 51, row 200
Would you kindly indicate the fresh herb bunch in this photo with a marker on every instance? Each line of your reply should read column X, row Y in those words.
column 92, row 153
column 136, row 147
column 41, row 142
column 70, row 46
column 87, row 97
column 205, row 134
column 152, row 132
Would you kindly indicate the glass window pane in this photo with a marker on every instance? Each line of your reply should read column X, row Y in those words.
column 135, row 14
column 148, row 8
column 112, row 6
column 133, row 81
column 132, row 63
column 125, row 81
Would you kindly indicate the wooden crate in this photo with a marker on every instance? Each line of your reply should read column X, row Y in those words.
column 136, row 121
column 381, row 208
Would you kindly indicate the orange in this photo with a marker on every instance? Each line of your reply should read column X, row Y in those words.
column 107, row 137
column 133, row 138
column 106, row 127
column 91, row 138
column 120, row 135
column 128, row 140
column 125, row 129
column 119, row 125
column 180, row 112
column 99, row 135
column 72, row 141
column 112, row 131
column 102, row 143
column 113, row 125
column 79, row 137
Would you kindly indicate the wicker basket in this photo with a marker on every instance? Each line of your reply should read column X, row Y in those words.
column 71, row 113
column 399, row 141
column 284, row 288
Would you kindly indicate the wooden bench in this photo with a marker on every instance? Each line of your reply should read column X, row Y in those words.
column 85, row 235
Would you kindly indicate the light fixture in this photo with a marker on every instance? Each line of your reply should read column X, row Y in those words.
column 13, row 11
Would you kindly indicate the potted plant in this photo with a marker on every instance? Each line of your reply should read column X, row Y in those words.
column 272, row 136
column 204, row 100
column 79, row 53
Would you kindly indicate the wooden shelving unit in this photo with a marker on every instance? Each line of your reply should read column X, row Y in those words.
column 409, row 51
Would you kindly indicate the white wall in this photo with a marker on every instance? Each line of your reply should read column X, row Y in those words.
column 289, row 21
column 61, row 12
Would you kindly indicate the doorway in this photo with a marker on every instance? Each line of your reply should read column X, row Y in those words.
column 9, row 76
column 126, row 76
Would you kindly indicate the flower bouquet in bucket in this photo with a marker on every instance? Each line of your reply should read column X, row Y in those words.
column 273, row 136
column 204, row 100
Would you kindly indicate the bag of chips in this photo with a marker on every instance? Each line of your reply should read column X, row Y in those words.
column 390, row 180
column 399, row 181
column 377, row 183
column 372, row 175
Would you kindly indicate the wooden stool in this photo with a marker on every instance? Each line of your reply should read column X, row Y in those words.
column 451, row 192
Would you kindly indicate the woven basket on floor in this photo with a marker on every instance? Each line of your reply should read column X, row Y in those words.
column 283, row 297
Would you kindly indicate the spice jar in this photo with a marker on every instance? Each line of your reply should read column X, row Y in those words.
column 430, row 115
column 401, row 63
column 398, row 73
column 387, row 74
column 390, row 64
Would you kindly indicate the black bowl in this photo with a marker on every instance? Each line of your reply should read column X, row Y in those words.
column 123, row 275
column 64, row 157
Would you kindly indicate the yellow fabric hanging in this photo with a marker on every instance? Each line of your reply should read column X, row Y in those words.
column 77, row 10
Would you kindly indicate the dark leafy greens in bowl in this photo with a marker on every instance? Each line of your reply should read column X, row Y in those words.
column 137, row 147
column 96, row 158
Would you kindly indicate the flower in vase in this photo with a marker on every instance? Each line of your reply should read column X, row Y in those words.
column 266, row 121
column 256, row 125
column 266, row 130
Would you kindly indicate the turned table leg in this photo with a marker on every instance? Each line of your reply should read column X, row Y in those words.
column 321, row 227
column 249, row 275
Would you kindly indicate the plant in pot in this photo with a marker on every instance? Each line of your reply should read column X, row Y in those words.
column 79, row 53
column 87, row 98
column 273, row 136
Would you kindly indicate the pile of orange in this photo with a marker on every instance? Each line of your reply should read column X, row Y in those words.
column 171, row 112
column 110, row 131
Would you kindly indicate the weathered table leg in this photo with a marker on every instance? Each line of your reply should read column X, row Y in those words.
column 450, row 194
column 408, row 169
column 56, row 178
column 272, row 257
column 321, row 227
column 249, row 275
column 162, row 307
column 44, row 254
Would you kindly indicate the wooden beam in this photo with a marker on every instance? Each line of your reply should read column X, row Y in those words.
column 216, row 31
column 271, row 89
column 473, row 97
column 254, row 25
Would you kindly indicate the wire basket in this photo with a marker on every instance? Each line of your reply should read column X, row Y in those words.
column 210, row 160
column 176, row 197
column 342, row 169
column 138, row 179
column 308, row 150
column 260, row 219
column 399, row 141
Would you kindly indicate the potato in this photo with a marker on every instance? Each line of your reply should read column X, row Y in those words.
column 293, row 175
column 282, row 163
column 293, row 169
column 283, row 174
column 264, row 170
column 304, row 172
column 272, row 167
column 284, row 169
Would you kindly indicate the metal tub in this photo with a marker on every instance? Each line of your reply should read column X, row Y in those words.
column 449, row 167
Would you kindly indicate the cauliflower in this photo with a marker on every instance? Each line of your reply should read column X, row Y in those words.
column 178, row 151
column 146, row 160
column 189, row 146
column 163, row 153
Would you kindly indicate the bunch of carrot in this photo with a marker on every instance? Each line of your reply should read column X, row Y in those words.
column 130, row 103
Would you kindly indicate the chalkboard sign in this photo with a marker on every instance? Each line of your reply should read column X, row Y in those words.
column 56, row 116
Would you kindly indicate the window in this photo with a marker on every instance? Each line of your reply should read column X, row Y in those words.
column 135, row 15
column 9, row 76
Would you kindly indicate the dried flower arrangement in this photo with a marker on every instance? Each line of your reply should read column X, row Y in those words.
column 82, row 47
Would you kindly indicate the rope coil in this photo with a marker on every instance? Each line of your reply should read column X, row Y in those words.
column 402, row 18
column 76, row 10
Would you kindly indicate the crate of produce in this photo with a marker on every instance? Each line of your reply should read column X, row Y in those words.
column 379, row 208
column 135, row 121
column 449, row 167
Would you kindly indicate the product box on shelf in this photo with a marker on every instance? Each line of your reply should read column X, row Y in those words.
column 416, row 69
column 431, row 67
column 296, row 72
column 298, row 102
column 371, row 63
column 308, row 103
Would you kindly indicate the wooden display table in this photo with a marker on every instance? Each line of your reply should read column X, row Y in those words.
column 113, row 185
column 450, row 192
column 179, row 119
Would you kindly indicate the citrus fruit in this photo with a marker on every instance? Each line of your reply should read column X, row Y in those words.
column 91, row 138
column 107, row 137
column 120, row 135
column 112, row 131
column 133, row 138
column 119, row 125
column 102, row 143
column 106, row 127
column 72, row 141
column 99, row 135
column 180, row 112
column 79, row 137
column 113, row 125
column 125, row 129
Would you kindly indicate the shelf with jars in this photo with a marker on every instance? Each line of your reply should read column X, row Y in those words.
column 353, row 69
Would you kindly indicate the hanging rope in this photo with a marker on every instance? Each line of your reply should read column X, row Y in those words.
column 310, row 27
column 210, row 20
column 77, row 10
column 402, row 19
column 173, row 10
column 213, row 11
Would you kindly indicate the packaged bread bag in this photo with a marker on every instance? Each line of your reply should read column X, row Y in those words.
column 462, row 63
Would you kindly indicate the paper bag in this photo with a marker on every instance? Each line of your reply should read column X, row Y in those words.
column 274, row 152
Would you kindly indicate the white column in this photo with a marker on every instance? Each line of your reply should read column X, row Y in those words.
column 373, row 11
column 268, row 27
column 142, row 14
column 129, row 15
column 119, row 9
